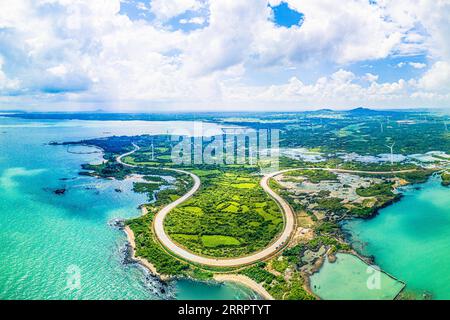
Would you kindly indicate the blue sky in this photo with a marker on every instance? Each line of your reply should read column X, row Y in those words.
column 152, row 55
column 284, row 16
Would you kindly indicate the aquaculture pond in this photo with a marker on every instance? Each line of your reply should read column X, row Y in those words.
column 411, row 239
column 350, row 278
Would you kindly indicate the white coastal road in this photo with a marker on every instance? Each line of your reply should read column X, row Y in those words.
column 158, row 227
column 274, row 247
column 167, row 242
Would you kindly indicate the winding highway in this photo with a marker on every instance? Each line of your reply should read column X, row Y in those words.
column 163, row 237
column 274, row 247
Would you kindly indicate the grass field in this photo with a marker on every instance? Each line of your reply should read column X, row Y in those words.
column 229, row 216
column 219, row 241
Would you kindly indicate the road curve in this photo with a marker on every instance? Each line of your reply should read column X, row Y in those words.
column 158, row 227
column 119, row 158
column 274, row 247
column 163, row 237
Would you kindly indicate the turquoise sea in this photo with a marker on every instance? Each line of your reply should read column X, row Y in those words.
column 62, row 246
column 350, row 278
column 411, row 239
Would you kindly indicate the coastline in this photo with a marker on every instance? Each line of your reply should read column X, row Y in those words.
column 144, row 262
column 332, row 259
column 240, row 279
column 246, row 281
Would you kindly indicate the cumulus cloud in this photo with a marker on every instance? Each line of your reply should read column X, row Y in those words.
column 166, row 9
column 340, row 89
column 194, row 20
column 6, row 84
column 418, row 65
column 415, row 65
column 437, row 78
column 80, row 51
column 370, row 77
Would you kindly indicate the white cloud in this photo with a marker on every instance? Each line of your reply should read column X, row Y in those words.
column 81, row 51
column 194, row 20
column 418, row 65
column 340, row 90
column 415, row 65
column 59, row 70
column 7, row 84
column 370, row 77
column 437, row 78
column 142, row 6
column 166, row 9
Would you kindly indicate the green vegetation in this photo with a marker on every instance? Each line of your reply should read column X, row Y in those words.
column 376, row 167
column 365, row 133
column 330, row 204
column 259, row 273
column 106, row 170
column 382, row 189
column 326, row 227
column 280, row 264
column 232, row 216
column 146, row 244
column 154, row 179
column 380, row 195
column 278, row 286
column 445, row 178
column 148, row 248
column 414, row 177
column 319, row 241
column 142, row 187
column 293, row 254
column 219, row 241
column 229, row 216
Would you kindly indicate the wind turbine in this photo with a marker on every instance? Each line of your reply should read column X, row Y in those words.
column 153, row 152
column 381, row 125
column 391, row 147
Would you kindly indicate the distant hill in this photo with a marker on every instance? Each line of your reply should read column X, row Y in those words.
column 325, row 111
column 366, row 112
column 362, row 111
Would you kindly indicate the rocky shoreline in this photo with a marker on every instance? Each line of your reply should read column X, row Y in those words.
column 127, row 252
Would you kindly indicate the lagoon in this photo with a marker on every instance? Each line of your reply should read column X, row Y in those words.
column 411, row 239
column 350, row 278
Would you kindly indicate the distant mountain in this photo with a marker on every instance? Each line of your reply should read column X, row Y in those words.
column 326, row 111
column 366, row 112
column 362, row 111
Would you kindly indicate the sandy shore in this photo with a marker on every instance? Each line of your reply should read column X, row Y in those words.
column 142, row 261
column 241, row 279
column 246, row 281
